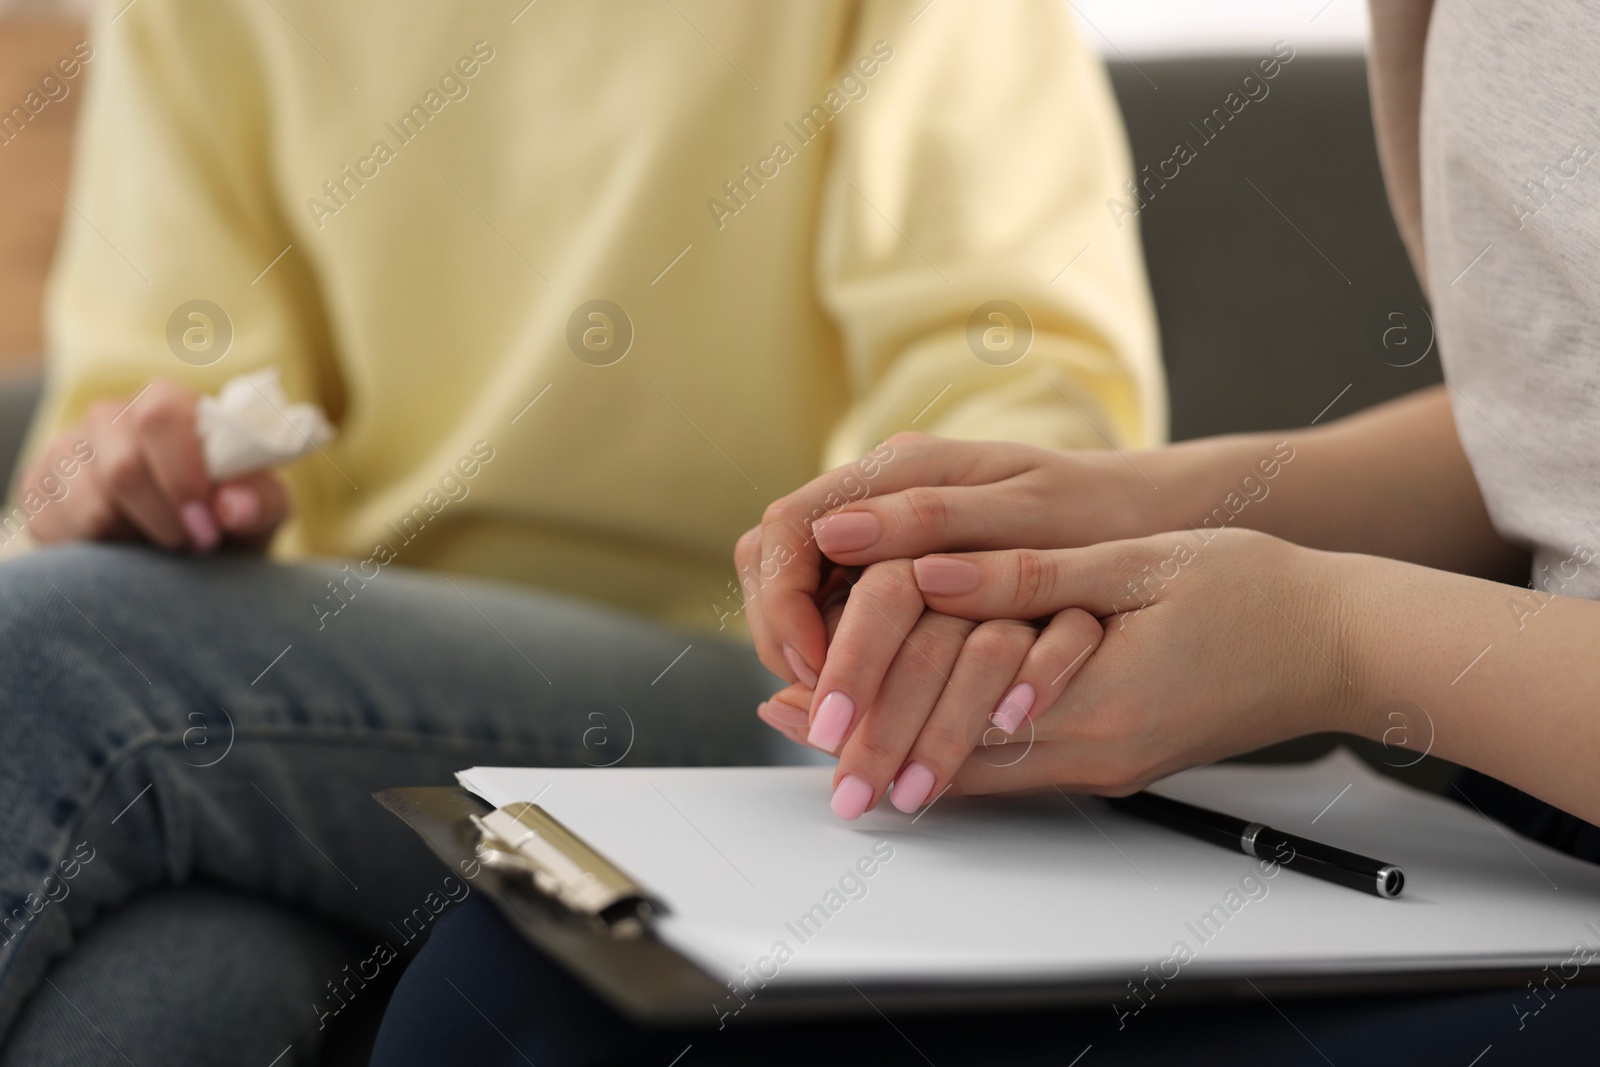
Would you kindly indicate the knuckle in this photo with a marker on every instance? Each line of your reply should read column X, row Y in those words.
column 909, row 439
column 846, row 667
column 947, row 628
column 889, row 586
column 1069, row 643
column 923, row 662
column 123, row 470
column 875, row 748
column 997, row 641
column 937, row 638
column 927, row 508
column 777, row 512
column 1014, row 631
column 160, row 411
column 748, row 547
column 1245, row 536
column 1032, row 577
column 943, row 747
column 1049, row 668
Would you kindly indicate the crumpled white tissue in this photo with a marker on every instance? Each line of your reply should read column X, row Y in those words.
column 250, row 424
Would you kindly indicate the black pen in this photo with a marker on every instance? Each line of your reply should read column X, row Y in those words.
column 1264, row 843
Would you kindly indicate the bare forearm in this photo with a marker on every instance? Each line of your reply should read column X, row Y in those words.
column 1502, row 679
column 1391, row 481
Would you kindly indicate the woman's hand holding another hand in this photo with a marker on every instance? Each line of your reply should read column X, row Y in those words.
column 1110, row 665
column 921, row 494
column 1210, row 647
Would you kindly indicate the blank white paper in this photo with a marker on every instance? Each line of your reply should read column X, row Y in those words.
column 762, row 878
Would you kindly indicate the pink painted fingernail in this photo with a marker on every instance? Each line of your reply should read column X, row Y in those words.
column 1014, row 708
column 851, row 797
column 202, row 527
column 801, row 668
column 946, row 575
column 787, row 714
column 847, row 531
column 831, row 721
column 911, row 789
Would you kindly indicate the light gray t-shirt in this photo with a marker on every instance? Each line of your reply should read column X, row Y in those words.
column 1510, row 148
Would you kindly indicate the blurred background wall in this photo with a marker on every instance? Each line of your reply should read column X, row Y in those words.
column 1143, row 29
column 33, row 36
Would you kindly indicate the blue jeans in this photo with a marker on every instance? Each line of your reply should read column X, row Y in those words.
column 173, row 723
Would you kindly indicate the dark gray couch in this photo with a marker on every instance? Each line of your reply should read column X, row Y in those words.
column 1275, row 263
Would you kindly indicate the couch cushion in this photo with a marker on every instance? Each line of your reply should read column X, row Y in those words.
column 1270, row 309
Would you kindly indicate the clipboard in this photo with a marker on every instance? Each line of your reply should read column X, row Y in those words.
column 614, row 951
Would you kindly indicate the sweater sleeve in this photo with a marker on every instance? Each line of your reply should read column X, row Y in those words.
column 981, row 285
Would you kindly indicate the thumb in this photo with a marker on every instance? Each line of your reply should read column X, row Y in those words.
column 1026, row 583
column 251, row 507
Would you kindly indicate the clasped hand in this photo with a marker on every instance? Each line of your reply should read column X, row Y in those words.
column 987, row 620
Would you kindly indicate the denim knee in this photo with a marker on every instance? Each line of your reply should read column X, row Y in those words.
column 72, row 619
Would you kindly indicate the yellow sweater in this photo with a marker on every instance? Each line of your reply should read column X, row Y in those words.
column 791, row 209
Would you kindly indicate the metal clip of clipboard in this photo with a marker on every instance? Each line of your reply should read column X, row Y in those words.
column 524, row 840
